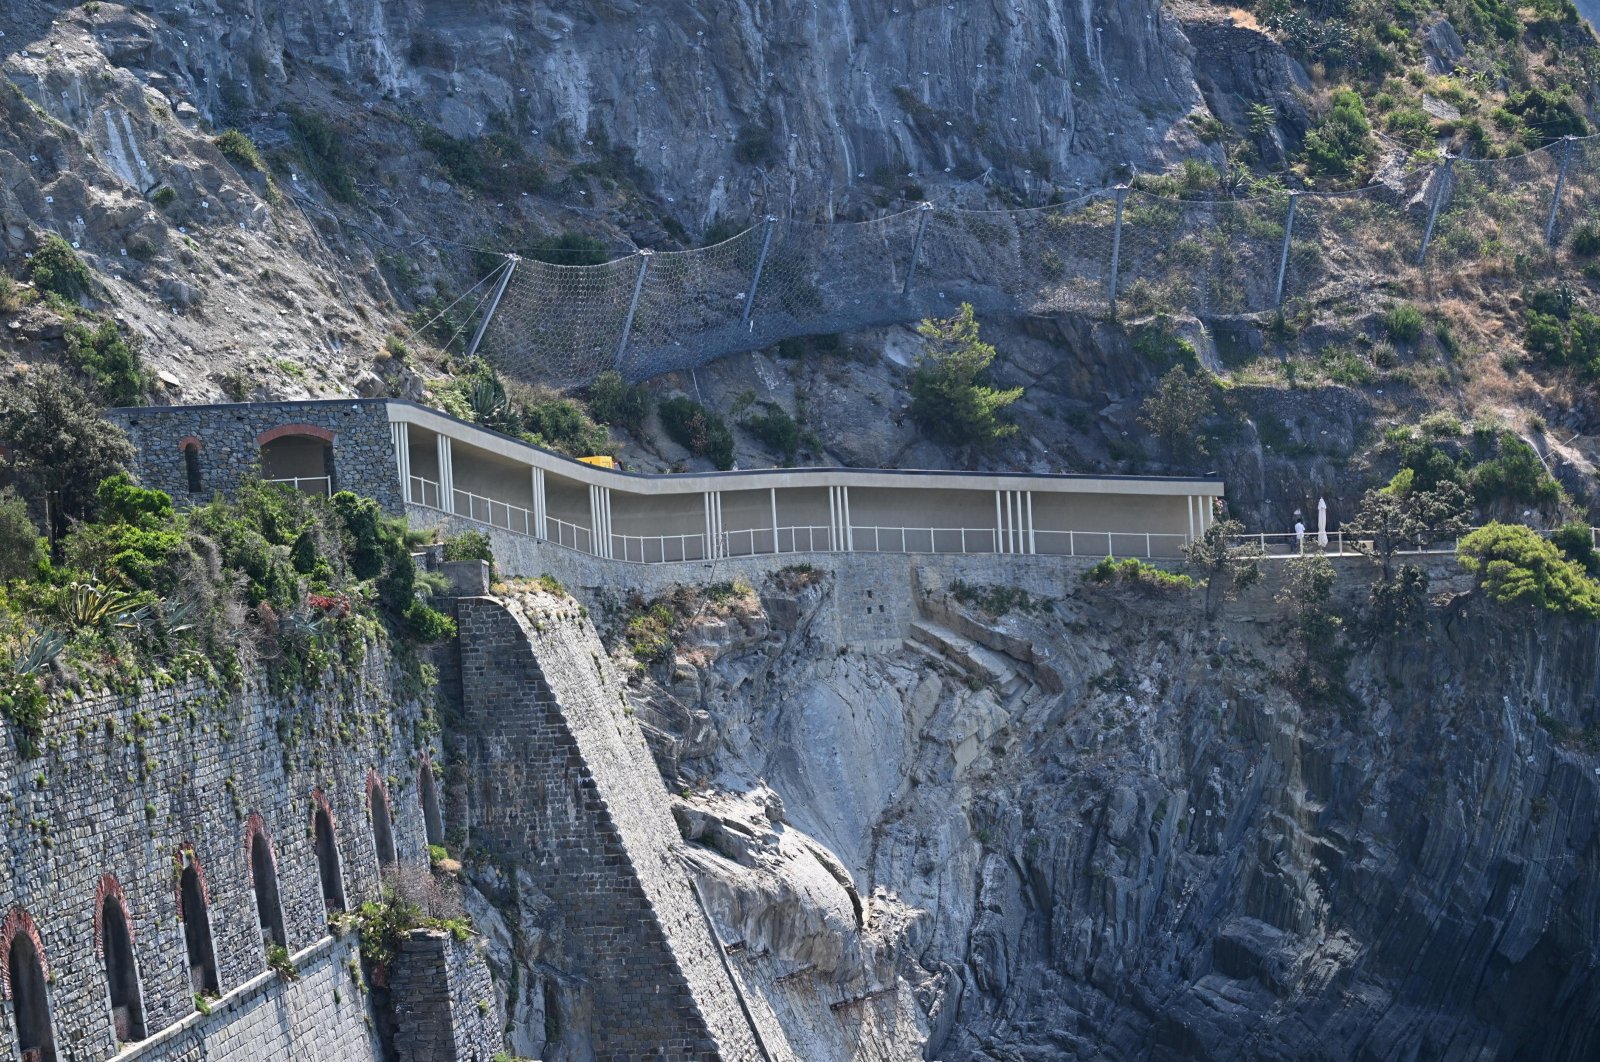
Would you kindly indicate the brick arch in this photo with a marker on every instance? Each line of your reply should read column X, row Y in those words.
column 282, row 430
column 191, row 442
column 256, row 827
column 375, row 782
column 19, row 921
column 319, row 802
column 109, row 888
column 185, row 856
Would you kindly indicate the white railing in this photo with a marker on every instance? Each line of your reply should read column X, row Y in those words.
column 764, row 541
column 1341, row 544
column 573, row 536
column 869, row 539
column 320, row 485
column 499, row 514
column 1146, row 544
column 658, row 549
column 425, row 492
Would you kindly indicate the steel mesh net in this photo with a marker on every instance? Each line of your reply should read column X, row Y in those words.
column 563, row 325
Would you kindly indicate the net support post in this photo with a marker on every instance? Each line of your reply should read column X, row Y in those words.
column 633, row 307
column 494, row 303
column 923, row 213
column 755, row 278
column 1561, row 181
column 1283, row 255
column 1116, row 249
column 1440, row 191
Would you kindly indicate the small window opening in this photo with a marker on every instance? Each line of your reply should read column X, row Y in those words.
column 328, row 863
column 30, row 1004
column 382, row 827
column 432, row 821
column 197, row 933
column 122, row 975
column 191, row 468
column 264, row 876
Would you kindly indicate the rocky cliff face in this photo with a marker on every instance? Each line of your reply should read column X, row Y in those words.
column 1129, row 837
column 632, row 122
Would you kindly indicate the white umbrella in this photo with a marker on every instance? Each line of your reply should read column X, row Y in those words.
column 1322, row 522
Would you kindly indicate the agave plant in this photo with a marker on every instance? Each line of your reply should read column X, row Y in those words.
column 92, row 605
column 39, row 652
column 487, row 398
column 180, row 615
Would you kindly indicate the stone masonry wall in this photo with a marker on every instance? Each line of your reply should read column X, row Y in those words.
column 444, row 1001
column 321, row 1017
column 363, row 452
column 563, row 782
column 125, row 782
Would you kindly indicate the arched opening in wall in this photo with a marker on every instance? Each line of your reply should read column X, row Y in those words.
column 122, row 973
column 30, row 1003
column 264, row 880
column 197, row 931
column 432, row 821
column 327, row 857
column 382, row 823
column 191, row 464
column 299, row 455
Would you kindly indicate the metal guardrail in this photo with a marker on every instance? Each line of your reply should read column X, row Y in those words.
column 319, row 485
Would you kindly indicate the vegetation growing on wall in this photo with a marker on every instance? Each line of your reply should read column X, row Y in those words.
column 276, row 578
column 535, row 415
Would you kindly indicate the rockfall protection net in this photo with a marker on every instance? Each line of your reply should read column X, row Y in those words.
column 563, row 325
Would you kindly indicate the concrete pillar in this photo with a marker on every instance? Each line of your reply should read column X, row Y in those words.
column 400, row 433
column 447, row 476
column 538, row 529
column 600, row 520
column 773, row 492
column 849, row 535
column 833, row 519
column 1032, row 547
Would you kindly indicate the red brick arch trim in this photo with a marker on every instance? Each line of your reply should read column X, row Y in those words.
column 255, row 829
column 184, row 856
column 319, row 802
column 18, row 921
column 109, row 888
column 282, row 430
column 375, row 783
column 191, row 442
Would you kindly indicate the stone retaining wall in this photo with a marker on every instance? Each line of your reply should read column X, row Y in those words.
column 322, row 1017
column 126, row 782
column 363, row 450
column 562, row 782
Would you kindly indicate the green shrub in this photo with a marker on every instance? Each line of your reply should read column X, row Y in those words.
column 1441, row 425
column 240, row 150
column 1404, row 323
column 1586, row 238
column 57, row 269
column 698, row 430
column 164, row 196
column 1576, row 540
column 777, row 431
column 1177, row 408
column 326, row 152
column 21, row 548
column 571, row 248
column 469, row 546
column 1515, row 475
column 1137, row 573
column 111, row 359
column 561, row 424
column 1341, row 146
column 61, row 447
column 1515, row 566
column 949, row 401
column 615, row 401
